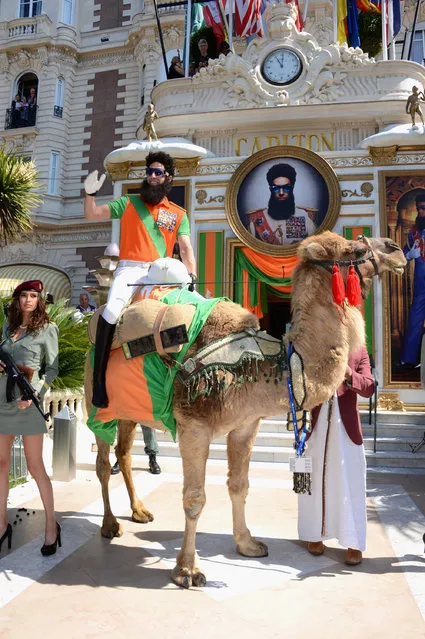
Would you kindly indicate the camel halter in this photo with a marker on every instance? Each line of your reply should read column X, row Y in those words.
column 355, row 285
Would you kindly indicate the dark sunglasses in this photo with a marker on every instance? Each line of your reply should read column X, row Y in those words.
column 286, row 188
column 156, row 172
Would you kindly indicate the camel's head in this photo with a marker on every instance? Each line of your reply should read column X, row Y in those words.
column 371, row 256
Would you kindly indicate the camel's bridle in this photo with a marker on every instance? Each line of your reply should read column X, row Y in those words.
column 370, row 257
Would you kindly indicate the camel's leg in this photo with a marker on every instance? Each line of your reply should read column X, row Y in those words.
column 126, row 434
column 239, row 445
column 194, row 445
column 110, row 526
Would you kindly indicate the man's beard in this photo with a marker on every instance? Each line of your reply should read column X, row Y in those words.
column 281, row 209
column 154, row 193
column 420, row 223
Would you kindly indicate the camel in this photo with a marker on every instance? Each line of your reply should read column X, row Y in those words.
column 323, row 333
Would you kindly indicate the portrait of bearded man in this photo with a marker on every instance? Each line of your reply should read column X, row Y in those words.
column 282, row 222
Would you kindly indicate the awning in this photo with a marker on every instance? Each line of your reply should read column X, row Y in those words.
column 54, row 282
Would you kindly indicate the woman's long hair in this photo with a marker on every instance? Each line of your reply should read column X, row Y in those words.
column 39, row 317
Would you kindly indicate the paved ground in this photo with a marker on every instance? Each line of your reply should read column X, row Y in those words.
column 95, row 588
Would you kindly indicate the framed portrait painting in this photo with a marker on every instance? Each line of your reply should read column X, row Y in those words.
column 402, row 197
column 281, row 195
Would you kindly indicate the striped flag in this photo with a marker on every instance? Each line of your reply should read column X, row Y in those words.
column 214, row 18
column 299, row 21
column 210, row 263
column 248, row 18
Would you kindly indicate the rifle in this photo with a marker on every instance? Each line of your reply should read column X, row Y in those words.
column 15, row 376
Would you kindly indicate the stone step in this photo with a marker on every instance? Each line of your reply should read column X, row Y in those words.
column 392, row 444
column 395, row 417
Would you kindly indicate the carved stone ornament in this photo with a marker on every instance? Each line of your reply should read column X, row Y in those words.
column 383, row 156
column 390, row 401
column 324, row 77
column 186, row 166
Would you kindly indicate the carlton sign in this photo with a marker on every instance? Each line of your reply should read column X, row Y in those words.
column 317, row 142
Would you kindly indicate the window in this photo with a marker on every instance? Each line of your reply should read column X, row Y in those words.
column 58, row 108
column 417, row 54
column 30, row 8
column 67, row 12
column 54, row 173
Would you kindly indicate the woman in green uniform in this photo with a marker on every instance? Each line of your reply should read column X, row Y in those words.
column 32, row 340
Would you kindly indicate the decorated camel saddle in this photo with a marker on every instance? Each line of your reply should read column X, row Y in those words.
column 150, row 347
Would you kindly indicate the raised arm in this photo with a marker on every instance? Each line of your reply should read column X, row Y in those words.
column 92, row 184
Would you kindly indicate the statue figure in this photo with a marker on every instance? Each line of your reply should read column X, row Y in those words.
column 148, row 123
column 413, row 105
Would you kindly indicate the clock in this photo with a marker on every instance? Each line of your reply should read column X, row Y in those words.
column 281, row 66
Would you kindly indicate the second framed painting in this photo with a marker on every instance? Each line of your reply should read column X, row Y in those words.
column 281, row 195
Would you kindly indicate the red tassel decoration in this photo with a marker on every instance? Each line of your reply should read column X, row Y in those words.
column 354, row 294
column 338, row 288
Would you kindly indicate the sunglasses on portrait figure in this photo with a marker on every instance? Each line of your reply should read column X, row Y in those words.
column 156, row 172
column 286, row 188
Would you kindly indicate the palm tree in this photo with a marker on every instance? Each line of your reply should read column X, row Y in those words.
column 18, row 196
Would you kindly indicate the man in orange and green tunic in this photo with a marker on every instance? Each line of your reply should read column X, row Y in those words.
column 150, row 226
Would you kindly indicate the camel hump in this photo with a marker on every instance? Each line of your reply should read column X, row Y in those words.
column 138, row 320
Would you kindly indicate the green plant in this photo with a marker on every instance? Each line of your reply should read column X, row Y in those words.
column 18, row 183
column 370, row 32
column 73, row 345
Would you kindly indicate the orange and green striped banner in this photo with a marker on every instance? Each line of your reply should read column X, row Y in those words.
column 352, row 233
column 210, row 263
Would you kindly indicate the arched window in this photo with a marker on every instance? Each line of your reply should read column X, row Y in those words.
column 24, row 102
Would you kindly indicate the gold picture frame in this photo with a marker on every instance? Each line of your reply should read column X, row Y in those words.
column 397, row 195
column 314, row 177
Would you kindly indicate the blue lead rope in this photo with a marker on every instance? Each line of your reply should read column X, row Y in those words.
column 299, row 440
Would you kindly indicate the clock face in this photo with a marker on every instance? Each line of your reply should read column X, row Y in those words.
column 281, row 66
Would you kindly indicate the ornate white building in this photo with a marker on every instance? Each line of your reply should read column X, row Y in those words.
column 96, row 65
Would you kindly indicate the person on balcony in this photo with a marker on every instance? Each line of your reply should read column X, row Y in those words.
column 202, row 59
column 176, row 68
column 16, row 111
column 32, row 104
column 25, row 111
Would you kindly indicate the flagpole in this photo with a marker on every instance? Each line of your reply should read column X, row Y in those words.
column 412, row 34
column 384, row 30
column 305, row 11
column 335, row 21
column 188, row 34
column 230, row 23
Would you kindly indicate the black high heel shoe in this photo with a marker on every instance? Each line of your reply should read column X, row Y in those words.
column 50, row 549
column 7, row 535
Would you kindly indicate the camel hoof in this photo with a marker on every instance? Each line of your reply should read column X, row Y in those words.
column 253, row 549
column 142, row 516
column 109, row 531
column 186, row 578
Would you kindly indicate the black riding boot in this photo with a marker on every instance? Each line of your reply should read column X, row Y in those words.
column 104, row 336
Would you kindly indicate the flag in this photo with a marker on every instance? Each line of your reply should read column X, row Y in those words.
column 394, row 19
column 342, row 20
column 352, row 24
column 197, row 18
column 368, row 5
column 299, row 21
column 248, row 18
column 214, row 19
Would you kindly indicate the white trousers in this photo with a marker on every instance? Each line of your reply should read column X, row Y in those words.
column 120, row 293
column 336, row 508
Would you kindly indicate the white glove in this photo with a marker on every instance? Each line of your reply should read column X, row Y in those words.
column 93, row 184
column 414, row 253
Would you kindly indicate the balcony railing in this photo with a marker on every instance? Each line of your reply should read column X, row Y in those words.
column 18, row 118
column 24, row 29
column 57, row 111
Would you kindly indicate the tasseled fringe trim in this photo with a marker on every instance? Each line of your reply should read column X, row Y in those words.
column 211, row 380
